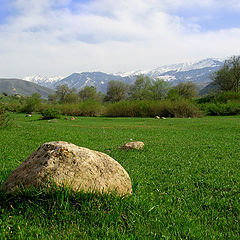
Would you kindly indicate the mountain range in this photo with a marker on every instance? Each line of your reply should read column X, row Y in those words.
column 198, row 72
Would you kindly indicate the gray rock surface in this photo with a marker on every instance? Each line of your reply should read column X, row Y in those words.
column 69, row 165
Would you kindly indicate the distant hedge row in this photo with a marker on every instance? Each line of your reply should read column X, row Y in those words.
column 226, row 103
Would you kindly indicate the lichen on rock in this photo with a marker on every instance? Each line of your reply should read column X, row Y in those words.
column 66, row 164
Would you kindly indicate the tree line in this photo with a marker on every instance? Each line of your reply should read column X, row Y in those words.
column 143, row 89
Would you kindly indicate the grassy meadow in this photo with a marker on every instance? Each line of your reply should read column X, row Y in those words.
column 186, row 181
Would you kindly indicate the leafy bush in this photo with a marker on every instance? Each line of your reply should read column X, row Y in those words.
column 136, row 108
column 87, row 108
column 222, row 97
column 210, row 98
column 165, row 108
column 221, row 104
column 13, row 106
column 5, row 120
column 178, row 109
column 50, row 113
column 11, row 103
column 91, row 108
column 161, row 109
column 32, row 103
column 70, row 109
column 185, row 108
column 221, row 109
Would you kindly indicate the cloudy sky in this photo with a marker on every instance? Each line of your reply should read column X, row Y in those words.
column 58, row 37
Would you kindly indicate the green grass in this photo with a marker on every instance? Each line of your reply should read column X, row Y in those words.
column 186, row 181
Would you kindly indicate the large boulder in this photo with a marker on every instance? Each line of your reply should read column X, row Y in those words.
column 69, row 165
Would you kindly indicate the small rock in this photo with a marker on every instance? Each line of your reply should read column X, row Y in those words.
column 28, row 115
column 132, row 145
column 157, row 117
column 163, row 118
column 52, row 120
column 69, row 165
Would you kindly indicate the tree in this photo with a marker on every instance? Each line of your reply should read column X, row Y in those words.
column 62, row 91
column 116, row 91
column 36, row 96
column 71, row 97
column 52, row 97
column 87, row 93
column 187, row 89
column 66, row 95
column 141, row 89
column 173, row 95
column 159, row 89
column 228, row 77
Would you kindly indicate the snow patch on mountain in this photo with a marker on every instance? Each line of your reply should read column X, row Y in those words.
column 43, row 80
column 179, row 67
column 39, row 78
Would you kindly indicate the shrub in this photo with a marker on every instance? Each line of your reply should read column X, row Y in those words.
column 221, row 109
column 185, row 108
column 50, row 113
column 179, row 109
column 31, row 104
column 136, row 108
column 13, row 106
column 91, row 108
column 5, row 120
column 164, row 108
column 224, row 97
column 87, row 108
column 221, row 97
column 69, row 109
column 210, row 98
column 11, row 103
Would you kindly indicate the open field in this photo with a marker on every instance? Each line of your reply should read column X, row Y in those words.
column 186, row 181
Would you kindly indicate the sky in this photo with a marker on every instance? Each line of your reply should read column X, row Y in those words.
column 59, row 37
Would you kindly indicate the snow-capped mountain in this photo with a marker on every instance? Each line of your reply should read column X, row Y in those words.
column 43, row 81
column 198, row 72
column 97, row 79
column 168, row 71
column 188, row 66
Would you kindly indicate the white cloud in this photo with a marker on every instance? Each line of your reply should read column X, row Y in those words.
column 106, row 35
